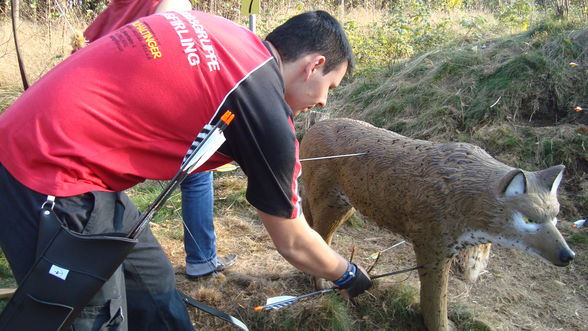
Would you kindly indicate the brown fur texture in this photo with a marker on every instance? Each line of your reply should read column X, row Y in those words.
column 443, row 197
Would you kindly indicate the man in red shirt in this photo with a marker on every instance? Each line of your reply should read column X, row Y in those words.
column 127, row 107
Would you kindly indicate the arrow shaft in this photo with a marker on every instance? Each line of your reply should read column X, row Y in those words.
column 395, row 245
column 396, row 272
column 332, row 156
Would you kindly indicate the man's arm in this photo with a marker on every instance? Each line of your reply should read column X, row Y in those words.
column 303, row 247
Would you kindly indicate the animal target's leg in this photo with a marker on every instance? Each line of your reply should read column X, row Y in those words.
column 433, row 277
column 327, row 210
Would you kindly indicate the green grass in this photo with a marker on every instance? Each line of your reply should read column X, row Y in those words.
column 145, row 193
column 579, row 239
column 519, row 71
column 6, row 278
column 392, row 307
column 464, row 319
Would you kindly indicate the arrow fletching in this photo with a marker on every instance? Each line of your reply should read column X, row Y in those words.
column 273, row 300
column 206, row 143
column 274, row 303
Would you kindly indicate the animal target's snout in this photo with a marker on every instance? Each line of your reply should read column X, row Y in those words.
column 566, row 256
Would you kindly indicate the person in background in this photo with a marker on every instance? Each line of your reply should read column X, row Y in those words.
column 199, row 235
column 121, row 12
column 127, row 107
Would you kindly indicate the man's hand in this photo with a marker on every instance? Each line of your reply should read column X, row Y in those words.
column 356, row 285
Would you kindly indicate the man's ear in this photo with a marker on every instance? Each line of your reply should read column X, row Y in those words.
column 313, row 65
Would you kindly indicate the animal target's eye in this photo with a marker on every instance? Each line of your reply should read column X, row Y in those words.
column 528, row 220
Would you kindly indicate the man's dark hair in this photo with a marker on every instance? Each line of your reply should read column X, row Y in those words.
column 310, row 32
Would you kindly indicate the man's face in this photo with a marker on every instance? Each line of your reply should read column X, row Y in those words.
column 312, row 87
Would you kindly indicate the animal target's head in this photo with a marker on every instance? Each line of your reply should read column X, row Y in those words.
column 531, row 208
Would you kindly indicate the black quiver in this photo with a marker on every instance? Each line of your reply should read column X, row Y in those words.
column 69, row 270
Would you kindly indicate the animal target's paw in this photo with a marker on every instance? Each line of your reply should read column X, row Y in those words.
column 472, row 262
column 321, row 283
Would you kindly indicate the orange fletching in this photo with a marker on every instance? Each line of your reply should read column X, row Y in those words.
column 227, row 117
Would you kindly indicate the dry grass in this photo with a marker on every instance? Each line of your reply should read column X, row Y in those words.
column 42, row 45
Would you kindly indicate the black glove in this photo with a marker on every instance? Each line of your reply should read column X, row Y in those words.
column 354, row 280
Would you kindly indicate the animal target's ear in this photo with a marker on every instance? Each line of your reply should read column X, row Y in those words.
column 551, row 177
column 514, row 183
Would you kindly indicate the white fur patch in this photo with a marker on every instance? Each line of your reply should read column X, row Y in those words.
column 520, row 224
column 556, row 183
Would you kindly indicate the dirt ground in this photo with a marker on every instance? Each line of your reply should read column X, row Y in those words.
column 516, row 292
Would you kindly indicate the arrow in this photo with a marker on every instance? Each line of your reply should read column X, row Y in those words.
column 376, row 254
column 331, row 157
column 397, row 272
column 274, row 303
column 230, row 167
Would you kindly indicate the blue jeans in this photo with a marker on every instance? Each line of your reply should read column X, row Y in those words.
column 198, row 213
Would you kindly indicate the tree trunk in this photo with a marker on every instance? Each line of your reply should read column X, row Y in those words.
column 16, row 11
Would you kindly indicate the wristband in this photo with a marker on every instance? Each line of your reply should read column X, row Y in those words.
column 347, row 276
column 358, row 284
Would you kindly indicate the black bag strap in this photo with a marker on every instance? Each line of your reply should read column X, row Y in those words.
column 192, row 302
column 49, row 224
